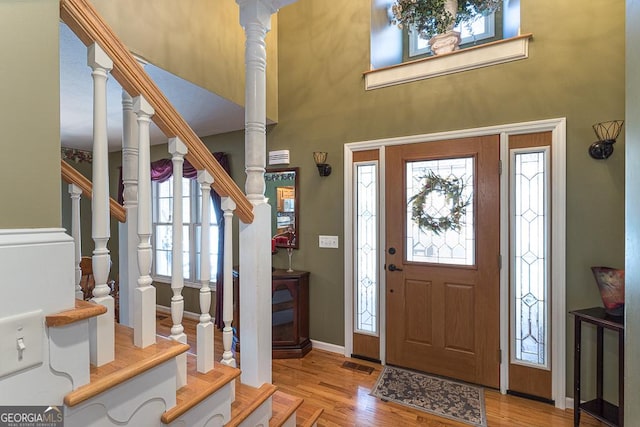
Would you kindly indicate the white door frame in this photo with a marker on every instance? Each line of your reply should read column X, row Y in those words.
column 557, row 127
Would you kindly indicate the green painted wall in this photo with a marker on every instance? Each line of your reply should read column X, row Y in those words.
column 570, row 73
column 199, row 40
column 575, row 70
column 29, row 114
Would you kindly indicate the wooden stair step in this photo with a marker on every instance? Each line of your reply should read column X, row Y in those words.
column 82, row 311
column 199, row 387
column 248, row 399
column 129, row 361
column 284, row 405
column 307, row 415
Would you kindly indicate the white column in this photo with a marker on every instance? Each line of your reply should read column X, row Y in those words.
column 205, row 328
column 228, row 206
column 102, row 332
column 255, row 238
column 178, row 151
column 75, row 193
column 144, row 330
column 128, row 231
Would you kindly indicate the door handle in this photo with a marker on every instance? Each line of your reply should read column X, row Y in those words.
column 392, row 267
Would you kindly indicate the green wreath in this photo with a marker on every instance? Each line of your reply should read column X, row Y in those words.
column 452, row 189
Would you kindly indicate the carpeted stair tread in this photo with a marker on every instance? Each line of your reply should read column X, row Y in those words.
column 284, row 406
column 199, row 387
column 248, row 399
column 129, row 362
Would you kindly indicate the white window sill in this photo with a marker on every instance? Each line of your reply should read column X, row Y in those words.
column 485, row 55
column 195, row 285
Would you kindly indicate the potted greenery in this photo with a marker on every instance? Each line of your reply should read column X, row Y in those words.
column 434, row 20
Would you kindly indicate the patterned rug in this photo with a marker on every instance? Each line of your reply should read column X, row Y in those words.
column 438, row 396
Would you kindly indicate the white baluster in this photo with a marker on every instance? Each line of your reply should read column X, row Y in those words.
column 128, row 232
column 205, row 327
column 178, row 151
column 144, row 333
column 102, row 336
column 75, row 193
column 228, row 206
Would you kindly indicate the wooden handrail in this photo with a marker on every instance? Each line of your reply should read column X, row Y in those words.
column 88, row 25
column 72, row 176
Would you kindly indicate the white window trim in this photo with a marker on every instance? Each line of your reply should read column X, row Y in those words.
column 558, row 343
column 486, row 55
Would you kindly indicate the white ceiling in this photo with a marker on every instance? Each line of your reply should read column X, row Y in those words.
column 206, row 113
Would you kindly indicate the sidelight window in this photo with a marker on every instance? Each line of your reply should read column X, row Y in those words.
column 530, row 255
column 366, row 247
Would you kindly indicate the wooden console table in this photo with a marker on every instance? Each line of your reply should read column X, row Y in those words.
column 289, row 313
column 599, row 408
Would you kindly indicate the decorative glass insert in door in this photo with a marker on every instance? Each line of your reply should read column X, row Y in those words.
column 366, row 248
column 440, row 217
column 529, row 249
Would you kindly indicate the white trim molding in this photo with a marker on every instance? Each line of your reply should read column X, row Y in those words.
column 333, row 348
column 485, row 55
column 557, row 127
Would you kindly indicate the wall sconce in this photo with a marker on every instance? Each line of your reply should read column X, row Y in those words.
column 607, row 133
column 320, row 157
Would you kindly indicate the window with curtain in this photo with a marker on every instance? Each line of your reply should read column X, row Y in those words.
column 162, row 207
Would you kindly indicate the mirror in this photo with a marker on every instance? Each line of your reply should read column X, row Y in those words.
column 282, row 192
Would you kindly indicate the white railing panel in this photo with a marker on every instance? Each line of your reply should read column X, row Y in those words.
column 205, row 328
column 102, row 347
column 228, row 206
column 144, row 333
column 178, row 151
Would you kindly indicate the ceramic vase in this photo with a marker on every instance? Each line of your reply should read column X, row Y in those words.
column 611, row 286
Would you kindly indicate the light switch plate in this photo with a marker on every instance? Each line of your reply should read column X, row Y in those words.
column 25, row 328
column 328, row 241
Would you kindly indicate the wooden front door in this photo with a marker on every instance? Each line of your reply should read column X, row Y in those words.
column 442, row 258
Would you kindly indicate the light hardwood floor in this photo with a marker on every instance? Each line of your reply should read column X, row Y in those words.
column 321, row 380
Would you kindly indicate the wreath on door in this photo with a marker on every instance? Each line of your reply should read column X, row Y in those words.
column 452, row 189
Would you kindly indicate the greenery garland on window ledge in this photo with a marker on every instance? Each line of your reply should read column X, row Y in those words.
column 452, row 189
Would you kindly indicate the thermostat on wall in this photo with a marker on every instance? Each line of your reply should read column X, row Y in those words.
column 280, row 157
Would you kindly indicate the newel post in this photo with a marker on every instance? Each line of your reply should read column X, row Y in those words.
column 255, row 238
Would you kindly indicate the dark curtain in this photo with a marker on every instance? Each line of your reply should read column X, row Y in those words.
column 162, row 170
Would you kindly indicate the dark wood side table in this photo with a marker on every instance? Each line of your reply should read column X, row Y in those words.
column 599, row 408
column 289, row 313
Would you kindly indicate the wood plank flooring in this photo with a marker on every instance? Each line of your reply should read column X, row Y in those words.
column 321, row 380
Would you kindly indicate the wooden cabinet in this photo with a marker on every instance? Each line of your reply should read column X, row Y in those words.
column 599, row 408
column 289, row 313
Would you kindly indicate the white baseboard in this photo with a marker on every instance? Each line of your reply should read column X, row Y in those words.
column 187, row 314
column 568, row 402
column 319, row 345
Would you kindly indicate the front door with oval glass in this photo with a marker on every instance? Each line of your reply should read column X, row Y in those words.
column 442, row 276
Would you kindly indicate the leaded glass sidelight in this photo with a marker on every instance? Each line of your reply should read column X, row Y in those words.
column 366, row 240
column 454, row 241
column 529, row 237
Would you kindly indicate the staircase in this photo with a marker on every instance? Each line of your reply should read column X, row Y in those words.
column 138, row 387
column 135, row 377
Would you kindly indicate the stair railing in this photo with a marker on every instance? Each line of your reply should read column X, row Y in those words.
column 109, row 56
